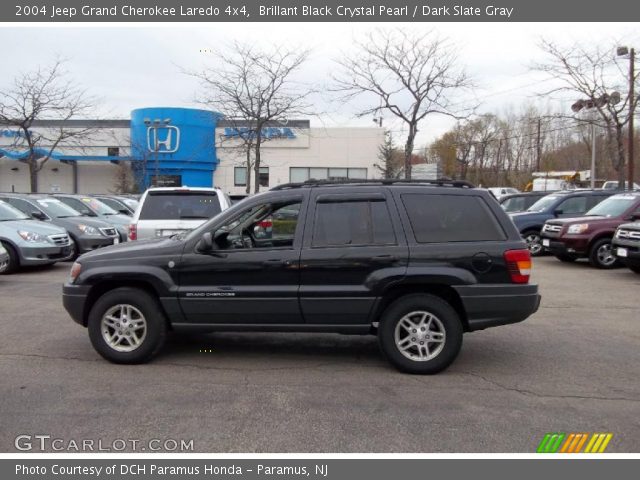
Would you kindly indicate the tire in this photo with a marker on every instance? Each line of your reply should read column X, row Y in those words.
column 565, row 258
column 74, row 250
column 601, row 255
column 14, row 260
column 140, row 306
column 534, row 242
column 435, row 313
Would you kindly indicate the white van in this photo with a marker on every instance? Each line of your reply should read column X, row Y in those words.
column 166, row 211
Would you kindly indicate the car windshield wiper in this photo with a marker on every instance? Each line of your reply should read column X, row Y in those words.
column 192, row 216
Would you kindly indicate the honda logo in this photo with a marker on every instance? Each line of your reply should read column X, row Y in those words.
column 163, row 139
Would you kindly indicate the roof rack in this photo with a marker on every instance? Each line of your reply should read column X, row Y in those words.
column 442, row 182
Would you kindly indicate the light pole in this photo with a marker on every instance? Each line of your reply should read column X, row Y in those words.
column 623, row 51
column 588, row 105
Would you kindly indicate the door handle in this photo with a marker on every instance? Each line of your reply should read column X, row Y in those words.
column 384, row 259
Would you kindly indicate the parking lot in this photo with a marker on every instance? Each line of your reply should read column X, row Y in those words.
column 572, row 367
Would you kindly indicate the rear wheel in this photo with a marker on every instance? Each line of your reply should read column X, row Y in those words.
column 601, row 254
column 13, row 263
column 126, row 325
column 534, row 242
column 420, row 334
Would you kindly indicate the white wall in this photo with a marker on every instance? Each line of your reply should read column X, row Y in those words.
column 328, row 147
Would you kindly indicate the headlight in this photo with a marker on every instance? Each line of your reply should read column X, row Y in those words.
column 32, row 236
column 75, row 271
column 88, row 230
column 578, row 228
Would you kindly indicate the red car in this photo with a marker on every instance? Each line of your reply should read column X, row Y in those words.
column 590, row 236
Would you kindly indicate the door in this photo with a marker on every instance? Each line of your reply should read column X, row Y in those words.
column 572, row 207
column 251, row 275
column 352, row 247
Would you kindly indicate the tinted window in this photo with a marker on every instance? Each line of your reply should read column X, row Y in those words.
column 573, row 205
column 450, row 218
column 353, row 223
column 183, row 205
column 22, row 205
column 7, row 212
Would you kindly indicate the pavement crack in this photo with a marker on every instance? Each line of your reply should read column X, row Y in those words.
column 532, row 393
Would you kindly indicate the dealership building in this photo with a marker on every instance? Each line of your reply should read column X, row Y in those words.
column 183, row 146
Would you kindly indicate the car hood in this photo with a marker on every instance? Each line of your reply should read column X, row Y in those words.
column 35, row 226
column 137, row 249
column 73, row 222
column 570, row 221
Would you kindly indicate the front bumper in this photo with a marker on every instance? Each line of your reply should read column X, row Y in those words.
column 42, row 255
column 493, row 305
column 74, row 298
column 90, row 243
column 632, row 249
column 576, row 245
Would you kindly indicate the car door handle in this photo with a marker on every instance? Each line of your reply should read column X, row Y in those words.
column 384, row 259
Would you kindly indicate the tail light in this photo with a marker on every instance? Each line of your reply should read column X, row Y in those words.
column 133, row 231
column 519, row 265
column 266, row 224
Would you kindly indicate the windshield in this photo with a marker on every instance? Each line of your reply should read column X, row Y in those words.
column 612, row 206
column 543, row 204
column 180, row 205
column 7, row 212
column 98, row 207
column 57, row 209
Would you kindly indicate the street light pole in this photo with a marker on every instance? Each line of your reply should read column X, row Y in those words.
column 632, row 97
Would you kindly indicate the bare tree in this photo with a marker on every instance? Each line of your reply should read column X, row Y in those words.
column 391, row 165
column 411, row 76
column 595, row 74
column 45, row 93
column 258, row 87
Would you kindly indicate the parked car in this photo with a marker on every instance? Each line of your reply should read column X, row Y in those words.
column 123, row 205
column 417, row 264
column 86, row 233
column 92, row 207
column 500, row 192
column 519, row 202
column 166, row 211
column 613, row 185
column 626, row 245
column 4, row 259
column 563, row 204
column 590, row 236
column 30, row 242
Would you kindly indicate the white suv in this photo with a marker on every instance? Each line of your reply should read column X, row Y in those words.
column 165, row 211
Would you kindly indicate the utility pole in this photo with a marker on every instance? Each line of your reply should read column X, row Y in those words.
column 632, row 104
column 538, row 146
column 593, row 155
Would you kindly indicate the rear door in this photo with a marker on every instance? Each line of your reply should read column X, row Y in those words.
column 353, row 246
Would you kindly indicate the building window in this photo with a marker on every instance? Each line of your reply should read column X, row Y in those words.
column 302, row 174
column 113, row 151
column 240, row 176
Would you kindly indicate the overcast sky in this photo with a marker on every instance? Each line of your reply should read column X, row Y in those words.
column 132, row 67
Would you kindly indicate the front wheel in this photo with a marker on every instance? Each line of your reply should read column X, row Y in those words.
column 601, row 254
column 13, row 263
column 534, row 242
column 126, row 325
column 420, row 334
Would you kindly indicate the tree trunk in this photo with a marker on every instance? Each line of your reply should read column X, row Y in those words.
column 33, row 175
column 408, row 151
column 248, row 175
column 256, row 165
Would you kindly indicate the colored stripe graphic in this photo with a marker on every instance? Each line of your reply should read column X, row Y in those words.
column 574, row 442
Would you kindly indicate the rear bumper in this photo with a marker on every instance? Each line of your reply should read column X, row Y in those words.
column 74, row 298
column 493, row 305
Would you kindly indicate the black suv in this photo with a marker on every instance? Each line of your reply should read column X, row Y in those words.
column 417, row 264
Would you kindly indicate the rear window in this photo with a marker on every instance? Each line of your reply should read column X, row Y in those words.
column 183, row 205
column 451, row 218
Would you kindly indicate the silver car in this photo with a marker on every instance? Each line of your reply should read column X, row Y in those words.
column 166, row 211
column 30, row 242
column 4, row 258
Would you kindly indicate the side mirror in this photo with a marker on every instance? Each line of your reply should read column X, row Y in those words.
column 557, row 212
column 634, row 216
column 38, row 215
column 205, row 244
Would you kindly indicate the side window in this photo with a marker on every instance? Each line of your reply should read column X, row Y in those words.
column 352, row 223
column 271, row 225
column 24, row 207
column 573, row 205
column 594, row 200
column 451, row 218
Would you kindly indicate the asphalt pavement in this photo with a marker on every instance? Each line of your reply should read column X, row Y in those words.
column 572, row 367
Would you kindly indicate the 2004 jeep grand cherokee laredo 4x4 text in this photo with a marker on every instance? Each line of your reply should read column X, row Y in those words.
column 417, row 263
